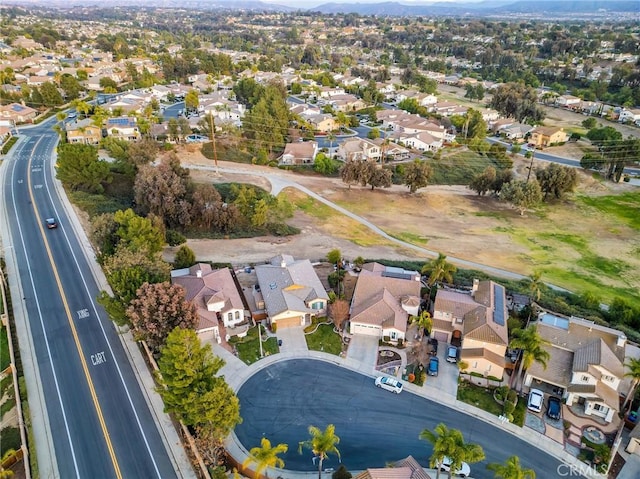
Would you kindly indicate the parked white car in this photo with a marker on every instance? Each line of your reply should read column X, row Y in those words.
column 536, row 399
column 390, row 384
column 464, row 470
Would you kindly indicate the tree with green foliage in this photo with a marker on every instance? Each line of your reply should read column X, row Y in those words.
column 589, row 123
column 79, row 169
column 70, row 86
column 483, row 182
column 350, row 172
column 416, row 175
column 439, row 269
column 341, row 473
column 521, row 194
column 621, row 312
column 535, row 285
column 450, row 443
column 191, row 100
column 265, row 456
column 157, row 310
column 519, row 101
column 511, row 469
column 185, row 258
column 532, row 345
column 324, row 165
column 321, row 443
column 632, row 366
column 190, row 387
column 137, row 233
column 556, row 180
column 128, row 270
column 373, row 134
column 423, row 321
column 50, row 94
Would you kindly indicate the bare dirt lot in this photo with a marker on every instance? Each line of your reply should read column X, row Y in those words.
column 566, row 241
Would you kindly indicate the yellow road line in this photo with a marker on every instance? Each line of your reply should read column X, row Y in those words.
column 94, row 396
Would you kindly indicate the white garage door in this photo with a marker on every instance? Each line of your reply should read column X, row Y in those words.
column 440, row 336
column 368, row 329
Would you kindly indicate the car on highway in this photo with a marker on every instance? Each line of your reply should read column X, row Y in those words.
column 536, row 398
column 452, row 354
column 464, row 470
column 554, row 406
column 434, row 365
column 51, row 223
column 390, row 384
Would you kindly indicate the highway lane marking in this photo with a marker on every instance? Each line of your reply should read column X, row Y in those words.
column 74, row 333
column 106, row 338
column 44, row 331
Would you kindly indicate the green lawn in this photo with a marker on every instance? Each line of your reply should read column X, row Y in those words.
column 249, row 347
column 5, row 360
column 482, row 398
column 325, row 339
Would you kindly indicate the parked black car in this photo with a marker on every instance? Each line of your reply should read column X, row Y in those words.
column 434, row 346
column 554, row 407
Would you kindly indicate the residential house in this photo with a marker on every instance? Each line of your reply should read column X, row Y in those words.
column 421, row 141
column 383, row 300
column 630, row 116
column 321, row 122
column 17, row 113
column 123, row 128
column 391, row 151
column 543, row 136
column 586, row 364
column 83, row 131
column 476, row 321
column 407, row 468
column 290, row 292
column 359, row 149
column 568, row 101
column 515, row 131
column 217, row 299
column 299, row 153
column 346, row 103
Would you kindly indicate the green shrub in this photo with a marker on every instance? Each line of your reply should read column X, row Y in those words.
column 10, row 439
column 501, row 392
column 512, row 396
column 508, row 409
column 174, row 238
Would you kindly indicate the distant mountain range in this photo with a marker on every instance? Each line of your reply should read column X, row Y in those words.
column 540, row 8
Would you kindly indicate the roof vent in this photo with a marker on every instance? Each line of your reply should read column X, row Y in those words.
column 199, row 273
column 622, row 340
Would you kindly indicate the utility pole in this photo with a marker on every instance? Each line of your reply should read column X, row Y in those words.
column 530, row 165
column 213, row 144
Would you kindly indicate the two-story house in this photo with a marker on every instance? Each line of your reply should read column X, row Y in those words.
column 359, row 149
column 83, row 131
column 123, row 127
column 383, row 300
column 217, row 299
column 476, row 321
column 585, row 366
column 544, row 136
column 290, row 292
column 299, row 153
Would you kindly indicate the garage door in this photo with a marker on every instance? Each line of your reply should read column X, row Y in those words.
column 440, row 336
column 367, row 329
column 289, row 322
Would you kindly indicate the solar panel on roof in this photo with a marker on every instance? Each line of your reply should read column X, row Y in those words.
column 498, row 313
column 391, row 274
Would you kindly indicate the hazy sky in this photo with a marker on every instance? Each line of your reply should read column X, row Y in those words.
column 313, row 3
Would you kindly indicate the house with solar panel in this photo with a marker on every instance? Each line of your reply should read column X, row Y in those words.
column 123, row 128
column 290, row 292
column 476, row 321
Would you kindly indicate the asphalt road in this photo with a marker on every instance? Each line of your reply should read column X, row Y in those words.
column 99, row 425
column 374, row 426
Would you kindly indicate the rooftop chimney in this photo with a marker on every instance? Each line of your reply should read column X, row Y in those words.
column 199, row 273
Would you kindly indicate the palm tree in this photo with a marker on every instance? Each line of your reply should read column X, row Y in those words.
column 424, row 321
column 321, row 443
column 265, row 456
column 532, row 346
column 511, row 469
column 450, row 443
column 633, row 366
column 536, row 285
column 439, row 269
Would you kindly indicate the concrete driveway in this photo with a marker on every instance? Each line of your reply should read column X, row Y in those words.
column 293, row 340
column 363, row 349
column 446, row 382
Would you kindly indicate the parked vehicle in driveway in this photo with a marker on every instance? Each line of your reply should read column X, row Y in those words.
column 434, row 346
column 390, row 384
column 464, row 470
column 554, row 406
column 452, row 354
column 434, row 365
column 536, row 398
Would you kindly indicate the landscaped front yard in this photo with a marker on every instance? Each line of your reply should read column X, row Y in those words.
column 248, row 348
column 324, row 339
column 482, row 398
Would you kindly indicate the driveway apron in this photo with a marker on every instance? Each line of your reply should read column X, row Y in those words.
column 293, row 340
